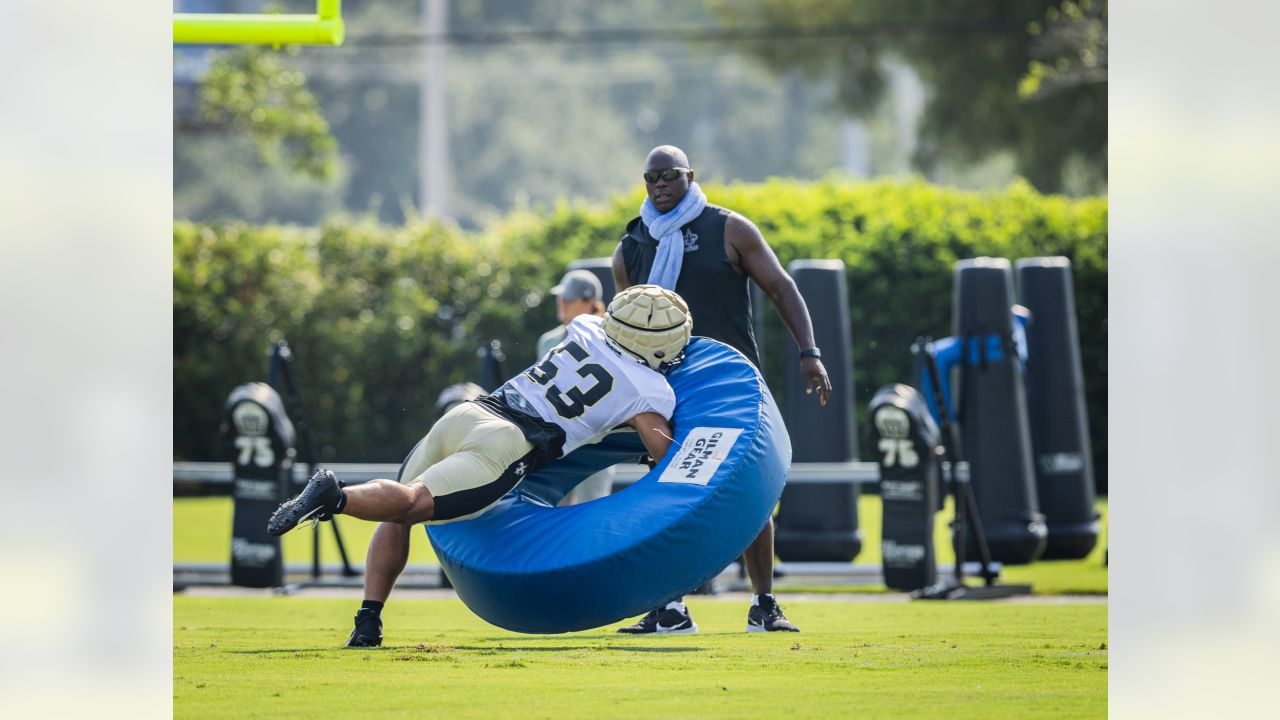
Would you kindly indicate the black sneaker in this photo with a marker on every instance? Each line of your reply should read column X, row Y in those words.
column 368, row 630
column 646, row 624
column 768, row 617
column 664, row 621
column 318, row 500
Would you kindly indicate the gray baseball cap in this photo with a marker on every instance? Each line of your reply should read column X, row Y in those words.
column 578, row 285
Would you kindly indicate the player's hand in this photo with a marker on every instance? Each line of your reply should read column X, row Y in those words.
column 815, row 378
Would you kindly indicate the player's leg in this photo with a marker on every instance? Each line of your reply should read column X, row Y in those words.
column 475, row 469
column 389, row 548
column 481, row 458
column 389, row 501
column 381, row 500
column 388, row 553
column 759, row 560
column 468, row 483
column 489, row 458
column 765, row 614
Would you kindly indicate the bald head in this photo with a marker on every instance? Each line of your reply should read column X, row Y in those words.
column 667, row 192
column 670, row 153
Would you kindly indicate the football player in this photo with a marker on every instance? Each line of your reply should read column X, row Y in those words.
column 606, row 372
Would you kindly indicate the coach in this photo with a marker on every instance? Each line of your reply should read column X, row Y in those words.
column 706, row 254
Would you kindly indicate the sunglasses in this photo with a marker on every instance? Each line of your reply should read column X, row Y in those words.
column 651, row 176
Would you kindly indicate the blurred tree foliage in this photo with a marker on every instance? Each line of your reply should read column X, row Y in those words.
column 382, row 318
column 250, row 90
column 1070, row 49
column 379, row 319
column 222, row 175
column 250, row 139
column 972, row 55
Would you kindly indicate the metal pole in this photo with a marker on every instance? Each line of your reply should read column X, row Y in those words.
column 282, row 368
column 965, row 507
column 433, row 129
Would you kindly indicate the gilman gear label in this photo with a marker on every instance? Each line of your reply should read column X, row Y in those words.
column 698, row 458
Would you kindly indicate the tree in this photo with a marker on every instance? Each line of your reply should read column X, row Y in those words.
column 251, row 90
column 972, row 55
column 1070, row 49
column 251, row 141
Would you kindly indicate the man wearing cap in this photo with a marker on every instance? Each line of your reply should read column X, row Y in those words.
column 578, row 293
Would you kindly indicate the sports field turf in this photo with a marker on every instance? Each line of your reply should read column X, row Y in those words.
column 280, row 657
column 856, row 656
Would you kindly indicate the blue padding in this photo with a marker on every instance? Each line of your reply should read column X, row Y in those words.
column 949, row 352
column 553, row 482
column 529, row 567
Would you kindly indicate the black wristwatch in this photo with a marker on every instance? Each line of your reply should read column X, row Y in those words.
column 812, row 352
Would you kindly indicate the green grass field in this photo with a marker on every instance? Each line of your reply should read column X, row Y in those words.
column 202, row 533
column 280, row 656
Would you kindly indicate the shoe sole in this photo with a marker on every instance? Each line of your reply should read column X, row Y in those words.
column 682, row 631
column 294, row 524
column 758, row 628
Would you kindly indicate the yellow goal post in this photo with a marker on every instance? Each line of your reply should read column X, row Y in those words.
column 323, row 28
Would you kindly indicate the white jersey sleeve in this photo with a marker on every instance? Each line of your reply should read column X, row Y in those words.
column 587, row 387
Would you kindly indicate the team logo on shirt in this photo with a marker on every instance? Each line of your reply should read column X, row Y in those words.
column 690, row 240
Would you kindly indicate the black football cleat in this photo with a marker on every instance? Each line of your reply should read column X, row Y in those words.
column 368, row 630
column 664, row 621
column 768, row 617
column 319, row 500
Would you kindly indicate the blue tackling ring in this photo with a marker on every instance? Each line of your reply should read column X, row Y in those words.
column 530, row 567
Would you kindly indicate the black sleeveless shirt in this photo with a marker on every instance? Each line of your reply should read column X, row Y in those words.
column 716, row 293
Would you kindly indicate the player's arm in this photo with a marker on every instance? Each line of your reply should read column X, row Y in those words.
column 620, row 280
column 755, row 258
column 655, row 433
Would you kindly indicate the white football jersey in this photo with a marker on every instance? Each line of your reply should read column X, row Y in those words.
column 588, row 388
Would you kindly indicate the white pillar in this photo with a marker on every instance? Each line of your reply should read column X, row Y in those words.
column 854, row 148
column 433, row 129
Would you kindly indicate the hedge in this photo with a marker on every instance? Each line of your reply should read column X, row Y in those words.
column 380, row 318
